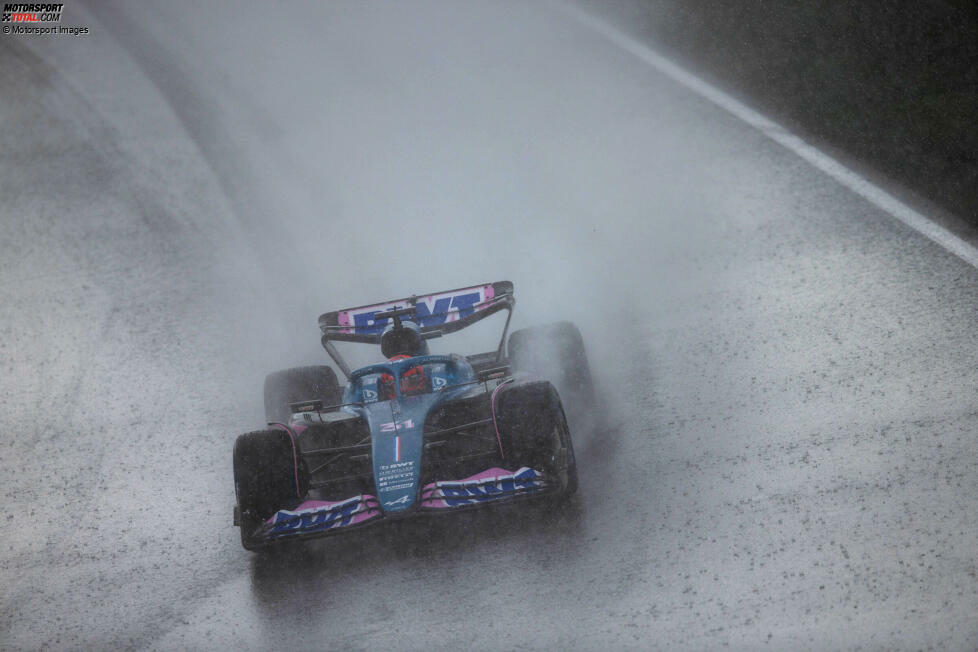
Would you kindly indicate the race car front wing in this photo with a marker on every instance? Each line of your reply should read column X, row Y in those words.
column 316, row 517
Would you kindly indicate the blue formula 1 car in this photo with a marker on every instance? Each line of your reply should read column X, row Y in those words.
column 415, row 434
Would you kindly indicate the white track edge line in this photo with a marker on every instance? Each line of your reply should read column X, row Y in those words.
column 836, row 170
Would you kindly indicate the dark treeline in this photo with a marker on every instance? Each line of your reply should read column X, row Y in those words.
column 894, row 83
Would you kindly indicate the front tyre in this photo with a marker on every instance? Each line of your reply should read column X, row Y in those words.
column 533, row 432
column 571, row 484
column 268, row 475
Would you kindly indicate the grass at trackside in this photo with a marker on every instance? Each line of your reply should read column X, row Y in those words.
column 893, row 83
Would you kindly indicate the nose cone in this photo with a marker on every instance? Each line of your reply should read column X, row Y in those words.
column 397, row 428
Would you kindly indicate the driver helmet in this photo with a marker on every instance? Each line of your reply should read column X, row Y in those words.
column 413, row 381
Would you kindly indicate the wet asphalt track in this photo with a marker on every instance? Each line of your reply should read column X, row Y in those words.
column 786, row 457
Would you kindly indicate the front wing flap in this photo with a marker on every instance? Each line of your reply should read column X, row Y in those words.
column 491, row 485
column 317, row 516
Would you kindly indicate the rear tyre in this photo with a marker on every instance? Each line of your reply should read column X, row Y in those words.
column 268, row 476
column 533, row 432
column 299, row 384
column 555, row 352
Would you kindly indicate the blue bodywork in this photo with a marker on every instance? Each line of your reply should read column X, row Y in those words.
column 326, row 469
column 397, row 424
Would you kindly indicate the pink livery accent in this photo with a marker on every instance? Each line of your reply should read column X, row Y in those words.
column 397, row 449
column 318, row 515
column 492, row 407
column 486, row 486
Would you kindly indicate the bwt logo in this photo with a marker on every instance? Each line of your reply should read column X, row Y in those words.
column 467, row 493
column 335, row 516
column 425, row 315
column 31, row 13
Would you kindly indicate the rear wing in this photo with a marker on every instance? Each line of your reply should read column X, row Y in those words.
column 436, row 314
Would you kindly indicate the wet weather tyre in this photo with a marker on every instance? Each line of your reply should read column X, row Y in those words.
column 268, row 476
column 299, row 384
column 555, row 352
column 572, row 480
column 533, row 432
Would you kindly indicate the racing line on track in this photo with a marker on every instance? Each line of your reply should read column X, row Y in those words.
column 836, row 170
